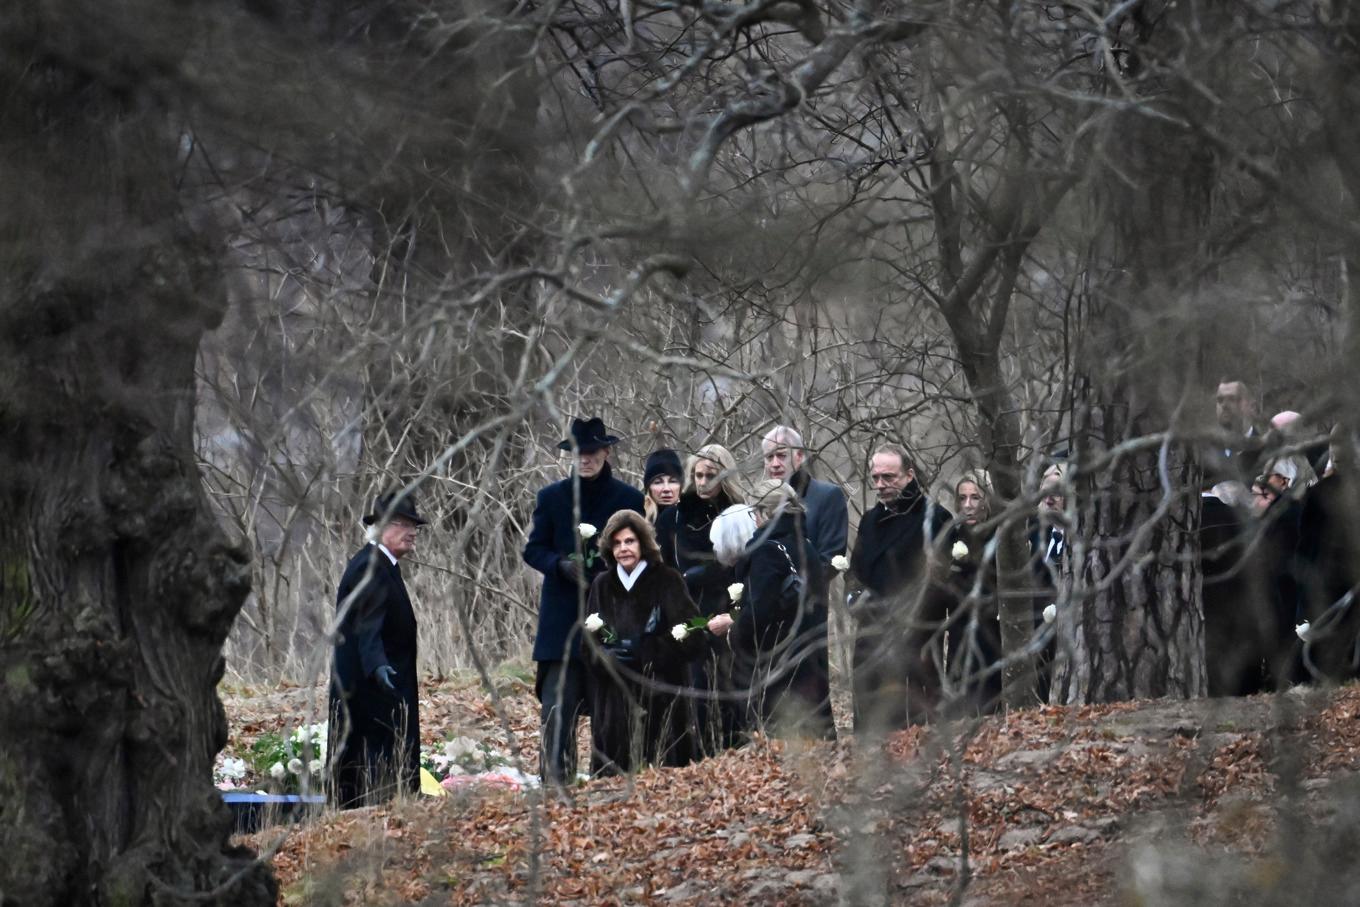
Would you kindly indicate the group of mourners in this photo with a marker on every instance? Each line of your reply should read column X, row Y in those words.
column 687, row 615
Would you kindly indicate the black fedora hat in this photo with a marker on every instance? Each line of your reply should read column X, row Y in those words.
column 588, row 434
column 387, row 505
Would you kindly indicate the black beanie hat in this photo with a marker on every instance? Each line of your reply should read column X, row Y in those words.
column 663, row 462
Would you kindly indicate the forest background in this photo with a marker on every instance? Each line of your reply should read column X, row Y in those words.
column 264, row 260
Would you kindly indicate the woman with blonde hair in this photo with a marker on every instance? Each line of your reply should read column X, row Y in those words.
column 974, row 630
column 637, row 654
column 684, row 533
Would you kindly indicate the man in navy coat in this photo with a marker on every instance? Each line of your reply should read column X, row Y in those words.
column 565, row 555
column 375, row 723
column 826, row 517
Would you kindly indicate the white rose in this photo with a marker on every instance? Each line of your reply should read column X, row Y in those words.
column 295, row 766
column 277, row 771
column 1303, row 629
column 459, row 747
column 1050, row 614
column 959, row 551
column 841, row 562
column 315, row 767
column 679, row 632
column 586, row 530
column 594, row 623
column 734, row 592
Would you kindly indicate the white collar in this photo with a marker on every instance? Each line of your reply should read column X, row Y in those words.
column 629, row 578
column 390, row 556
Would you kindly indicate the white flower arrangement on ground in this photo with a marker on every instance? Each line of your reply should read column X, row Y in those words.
column 461, row 756
column 841, row 563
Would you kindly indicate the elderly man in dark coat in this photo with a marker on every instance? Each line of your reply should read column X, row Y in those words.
column 896, row 608
column 825, row 519
column 567, row 516
column 375, row 722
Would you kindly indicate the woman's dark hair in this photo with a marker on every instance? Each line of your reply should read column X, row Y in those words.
column 642, row 528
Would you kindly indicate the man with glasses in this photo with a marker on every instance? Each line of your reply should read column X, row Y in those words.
column 375, row 723
column 896, row 609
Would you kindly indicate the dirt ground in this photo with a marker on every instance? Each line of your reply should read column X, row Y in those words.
column 1128, row 803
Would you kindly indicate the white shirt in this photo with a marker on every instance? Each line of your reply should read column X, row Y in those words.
column 628, row 579
column 390, row 556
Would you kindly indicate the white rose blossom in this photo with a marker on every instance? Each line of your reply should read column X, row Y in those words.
column 586, row 530
column 959, row 551
column 594, row 623
column 315, row 767
column 679, row 632
column 295, row 766
column 734, row 592
column 1050, row 613
column 278, row 771
column 841, row 562
column 1303, row 629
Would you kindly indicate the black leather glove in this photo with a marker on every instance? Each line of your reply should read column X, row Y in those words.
column 569, row 570
column 384, row 675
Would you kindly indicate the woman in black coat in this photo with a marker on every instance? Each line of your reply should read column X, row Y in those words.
column 974, row 629
column 684, row 535
column 639, row 653
column 779, row 637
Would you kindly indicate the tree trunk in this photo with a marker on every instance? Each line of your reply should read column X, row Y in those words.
column 116, row 587
column 1137, row 626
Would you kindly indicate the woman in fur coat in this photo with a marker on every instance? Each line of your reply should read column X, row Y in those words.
column 640, row 650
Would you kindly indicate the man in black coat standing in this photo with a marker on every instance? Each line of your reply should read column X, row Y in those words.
column 896, row 608
column 375, row 721
column 561, row 546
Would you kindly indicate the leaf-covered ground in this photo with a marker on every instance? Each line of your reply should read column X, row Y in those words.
column 1044, row 806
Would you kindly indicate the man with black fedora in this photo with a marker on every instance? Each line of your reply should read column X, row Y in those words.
column 375, row 722
column 567, row 516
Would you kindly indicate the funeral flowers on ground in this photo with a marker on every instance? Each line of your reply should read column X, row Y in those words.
column 461, row 756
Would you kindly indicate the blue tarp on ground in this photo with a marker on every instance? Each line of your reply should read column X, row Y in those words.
column 252, row 811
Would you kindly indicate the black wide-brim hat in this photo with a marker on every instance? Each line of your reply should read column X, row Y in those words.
column 588, row 435
column 405, row 507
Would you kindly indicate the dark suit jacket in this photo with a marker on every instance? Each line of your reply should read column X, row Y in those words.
column 827, row 519
column 552, row 538
column 378, row 628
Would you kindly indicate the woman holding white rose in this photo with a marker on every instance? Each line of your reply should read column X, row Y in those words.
column 974, row 628
column 684, row 533
column 779, row 636
column 639, row 646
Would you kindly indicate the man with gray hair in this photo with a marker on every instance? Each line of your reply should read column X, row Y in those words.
column 826, row 519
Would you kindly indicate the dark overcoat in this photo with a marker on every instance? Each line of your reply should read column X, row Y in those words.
column 375, row 735
column 553, row 538
column 632, row 722
column 780, row 647
column 1328, row 566
column 973, row 632
column 895, row 610
column 826, row 518
column 682, row 532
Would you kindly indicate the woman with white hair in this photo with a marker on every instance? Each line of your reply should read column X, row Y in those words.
column 684, row 534
column 778, row 635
